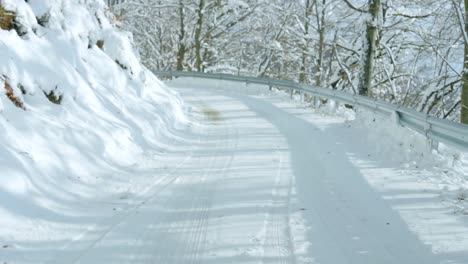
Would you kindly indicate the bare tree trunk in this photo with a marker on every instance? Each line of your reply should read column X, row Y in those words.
column 464, row 96
column 365, row 81
column 198, row 31
column 321, row 31
column 308, row 12
column 181, row 50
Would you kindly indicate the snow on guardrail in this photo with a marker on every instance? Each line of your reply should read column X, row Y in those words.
column 435, row 129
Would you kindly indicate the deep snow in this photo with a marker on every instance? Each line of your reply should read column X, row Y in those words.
column 63, row 166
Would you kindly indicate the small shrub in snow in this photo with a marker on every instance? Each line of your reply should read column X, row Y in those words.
column 6, row 18
column 53, row 97
column 22, row 89
column 121, row 65
column 43, row 20
column 11, row 96
column 9, row 20
column 100, row 43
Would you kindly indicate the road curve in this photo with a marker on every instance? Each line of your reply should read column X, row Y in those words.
column 259, row 183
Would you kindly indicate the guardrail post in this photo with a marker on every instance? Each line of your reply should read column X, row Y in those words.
column 433, row 144
column 396, row 117
column 336, row 105
column 302, row 96
column 316, row 100
column 376, row 107
column 291, row 93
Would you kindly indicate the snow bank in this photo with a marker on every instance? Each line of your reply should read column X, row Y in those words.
column 77, row 109
column 445, row 168
column 446, row 165
column 426, row 184
column 411, row 149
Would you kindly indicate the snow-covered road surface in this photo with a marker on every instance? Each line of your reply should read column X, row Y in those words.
column 258, row 180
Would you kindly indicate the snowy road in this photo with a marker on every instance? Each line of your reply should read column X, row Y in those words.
column 261, row 181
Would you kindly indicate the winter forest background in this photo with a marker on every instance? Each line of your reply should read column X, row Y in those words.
column 405, row 52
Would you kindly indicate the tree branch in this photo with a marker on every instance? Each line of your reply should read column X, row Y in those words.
column 355, row 8
column 412, row 16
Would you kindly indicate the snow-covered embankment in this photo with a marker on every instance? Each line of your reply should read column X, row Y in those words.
column 79, row 115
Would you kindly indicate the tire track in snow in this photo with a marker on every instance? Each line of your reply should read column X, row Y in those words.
column 72, row 252
column 222, row 175
column 199, row 243
column 188, row 226
column 182, row 225
column 95, row 235
column 199, row 210
column 278, row 238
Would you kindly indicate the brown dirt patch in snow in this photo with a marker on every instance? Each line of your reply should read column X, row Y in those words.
column 211, row 114
column 6, row 18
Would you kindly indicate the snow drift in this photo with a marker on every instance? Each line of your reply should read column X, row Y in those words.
column 77, row 111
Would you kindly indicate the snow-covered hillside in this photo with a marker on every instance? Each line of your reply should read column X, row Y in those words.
column 79, row 114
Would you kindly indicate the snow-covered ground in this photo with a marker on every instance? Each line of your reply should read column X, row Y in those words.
column 254, row 177
column 366, row 190
column 114, row 167
column 88, row 126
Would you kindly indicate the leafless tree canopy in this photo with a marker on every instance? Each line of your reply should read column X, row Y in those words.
column 406, row 52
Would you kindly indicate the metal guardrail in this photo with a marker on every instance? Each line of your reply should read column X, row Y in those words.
column 435, row 129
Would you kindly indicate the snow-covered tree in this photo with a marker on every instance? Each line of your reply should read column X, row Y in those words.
column 405, row 52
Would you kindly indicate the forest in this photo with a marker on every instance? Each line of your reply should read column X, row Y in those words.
column 409, row 53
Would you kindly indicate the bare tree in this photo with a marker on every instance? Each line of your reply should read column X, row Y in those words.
column 464, row 94
column 369, row 49
column 388, row 49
